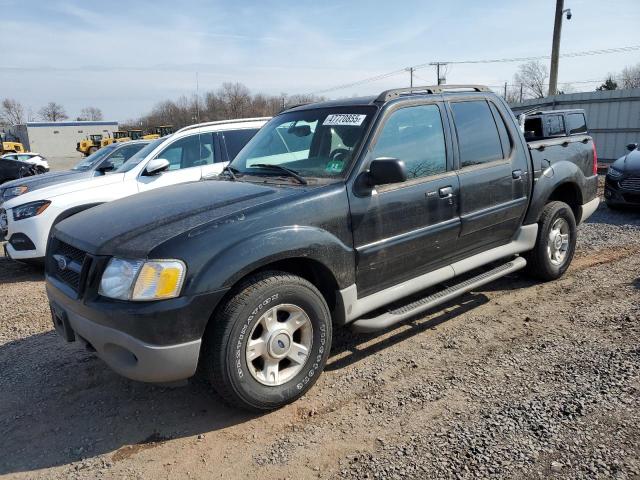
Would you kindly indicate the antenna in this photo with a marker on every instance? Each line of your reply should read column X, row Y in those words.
column 197, row 99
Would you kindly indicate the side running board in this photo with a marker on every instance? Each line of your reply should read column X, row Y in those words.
column 393, row 316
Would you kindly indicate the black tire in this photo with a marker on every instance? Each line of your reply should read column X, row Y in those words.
column 613, row 206
column 224, row 363
column 539, row 263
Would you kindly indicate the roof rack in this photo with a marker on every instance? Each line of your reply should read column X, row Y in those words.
column 430, row 89
column 222, row 122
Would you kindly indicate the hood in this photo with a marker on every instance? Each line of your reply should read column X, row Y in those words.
column 629, row 164
column 39, row 181
column 131, row 227
column 67, row 185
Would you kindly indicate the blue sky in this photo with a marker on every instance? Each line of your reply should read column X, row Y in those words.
column 125, row 56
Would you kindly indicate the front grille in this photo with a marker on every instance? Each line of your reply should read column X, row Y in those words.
column 631, row 183
column 631, row 197
column 65, row 262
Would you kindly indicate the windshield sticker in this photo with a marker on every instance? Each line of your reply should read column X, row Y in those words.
column 344, row 119
column 334, row 166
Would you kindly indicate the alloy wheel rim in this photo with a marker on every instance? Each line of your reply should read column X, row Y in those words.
column 279, row 345
column 558, row 243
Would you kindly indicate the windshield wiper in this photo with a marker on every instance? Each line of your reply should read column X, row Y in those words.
column 229, row 169
column 289, row 172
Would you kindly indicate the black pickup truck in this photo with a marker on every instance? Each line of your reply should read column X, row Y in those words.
column 343, row 212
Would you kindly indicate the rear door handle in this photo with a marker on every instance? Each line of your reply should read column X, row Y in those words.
column 446, row 192
column 516, row 174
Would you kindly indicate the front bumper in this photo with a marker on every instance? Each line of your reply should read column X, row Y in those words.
column 144, row 341
column 616, row 195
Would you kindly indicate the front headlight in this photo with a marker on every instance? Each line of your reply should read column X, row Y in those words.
column 614, row 173
column 14, row 192
column 29, row 210
column 141, row 280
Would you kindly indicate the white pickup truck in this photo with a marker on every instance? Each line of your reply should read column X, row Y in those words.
column 190, row 154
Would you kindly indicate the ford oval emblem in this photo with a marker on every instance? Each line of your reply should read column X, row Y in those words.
column 62, row 262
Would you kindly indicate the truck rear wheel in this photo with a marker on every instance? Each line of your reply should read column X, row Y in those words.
column 267, row 346
column 556, row 242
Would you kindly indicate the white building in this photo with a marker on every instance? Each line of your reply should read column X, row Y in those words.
column 59, row 139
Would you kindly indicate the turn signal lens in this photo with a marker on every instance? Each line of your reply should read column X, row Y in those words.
column 159, row 279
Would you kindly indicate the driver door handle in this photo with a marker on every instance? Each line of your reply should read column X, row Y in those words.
column 445, row 192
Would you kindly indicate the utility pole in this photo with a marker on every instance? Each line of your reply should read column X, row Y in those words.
column 438, row 65
column 410, row 70
column 521, row 93
column 555, row 48
column 505, row 90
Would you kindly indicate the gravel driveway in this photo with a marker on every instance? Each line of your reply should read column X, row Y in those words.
column 516, row 380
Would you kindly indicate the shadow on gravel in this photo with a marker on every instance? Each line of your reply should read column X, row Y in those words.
column 347, row 341
column 16, row 272
column 61, row 404
column 636, row 283
column 622, row 216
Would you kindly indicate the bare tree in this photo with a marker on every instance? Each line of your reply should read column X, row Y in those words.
column 232, row 100
column 90, row 114
column 236, row 98
column 630, row 77
column 609, row 84
column 52, row 112
column 533, row 78
column 11, row 112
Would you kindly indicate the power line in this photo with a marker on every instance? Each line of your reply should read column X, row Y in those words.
column 604, row 51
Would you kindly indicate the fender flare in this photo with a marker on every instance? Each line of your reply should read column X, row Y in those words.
column 557, row 175
column 292, row 242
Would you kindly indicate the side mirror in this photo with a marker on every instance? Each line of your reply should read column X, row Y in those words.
column 106, row 167
column 632, row 146
column 156, row 166
column 529, row 134
column 385, row 170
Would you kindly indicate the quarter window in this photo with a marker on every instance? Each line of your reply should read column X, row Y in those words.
column 478, row 139
column 577, row 123
column 414, row 135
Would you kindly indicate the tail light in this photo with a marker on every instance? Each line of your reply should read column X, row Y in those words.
column 595, row 159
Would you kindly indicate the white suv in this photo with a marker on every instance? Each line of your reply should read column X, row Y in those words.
column 190, row 154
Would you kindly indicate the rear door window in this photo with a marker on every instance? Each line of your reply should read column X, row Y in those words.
column 555, row 125
column 576, row 123
column 478, row 138
column 235, row 140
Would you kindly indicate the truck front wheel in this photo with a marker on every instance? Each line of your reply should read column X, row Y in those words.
column 269, row 343
column 556, row 242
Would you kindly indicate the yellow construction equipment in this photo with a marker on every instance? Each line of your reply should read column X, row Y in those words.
column 161, row 131
column 135, row 134
column 89, row 145
column 10, row 146
column 117, row 136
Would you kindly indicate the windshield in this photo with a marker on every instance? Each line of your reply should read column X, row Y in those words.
column 140, row 155
column 93, row 159
column 317, row 143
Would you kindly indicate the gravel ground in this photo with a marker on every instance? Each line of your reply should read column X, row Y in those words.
column 516, row 380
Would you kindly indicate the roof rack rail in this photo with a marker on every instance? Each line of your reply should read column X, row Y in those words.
column 430, row 89
column 295, row 105
column 221, row 122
